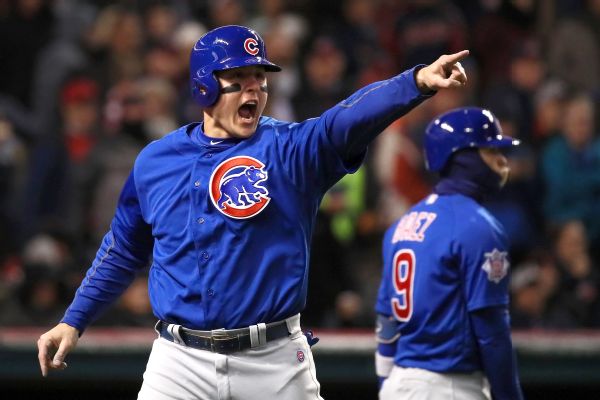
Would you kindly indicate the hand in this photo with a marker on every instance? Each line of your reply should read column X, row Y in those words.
column 54, row 345
column 310, row 338
column 445, row 72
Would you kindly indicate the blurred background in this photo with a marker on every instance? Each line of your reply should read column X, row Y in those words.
column 84, row 85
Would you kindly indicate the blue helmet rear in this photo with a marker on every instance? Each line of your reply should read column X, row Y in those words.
column 227, row 47
column 459, row 129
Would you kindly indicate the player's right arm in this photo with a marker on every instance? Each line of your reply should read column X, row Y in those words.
column 124, row 250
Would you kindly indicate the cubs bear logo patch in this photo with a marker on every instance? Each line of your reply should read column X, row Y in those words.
column 300, row 355
column 237, row 187
column 496, row 265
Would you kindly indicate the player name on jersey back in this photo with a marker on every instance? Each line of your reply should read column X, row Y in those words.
column 412, row 226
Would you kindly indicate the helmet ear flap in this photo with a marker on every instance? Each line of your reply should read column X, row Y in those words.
column 205, row 90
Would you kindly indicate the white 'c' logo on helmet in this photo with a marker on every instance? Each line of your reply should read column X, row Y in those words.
column 251, row 46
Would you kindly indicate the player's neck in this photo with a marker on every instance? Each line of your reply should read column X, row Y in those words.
column 212, row 129
column 448, row 186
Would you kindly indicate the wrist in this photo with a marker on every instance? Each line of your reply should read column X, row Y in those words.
column 71, row 328
column 420, row 82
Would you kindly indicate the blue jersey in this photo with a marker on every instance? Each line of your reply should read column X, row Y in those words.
column 446, row 257
column 228, row 223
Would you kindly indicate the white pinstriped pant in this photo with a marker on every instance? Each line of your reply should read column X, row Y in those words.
column 282, row 369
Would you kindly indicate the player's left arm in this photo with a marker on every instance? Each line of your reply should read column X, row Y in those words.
column 486, row 268
column 491, row 326
column 356, row 121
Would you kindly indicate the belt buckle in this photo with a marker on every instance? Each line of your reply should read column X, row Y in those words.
column 224, row 343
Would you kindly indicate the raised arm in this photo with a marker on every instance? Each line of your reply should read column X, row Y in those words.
column 356, row 121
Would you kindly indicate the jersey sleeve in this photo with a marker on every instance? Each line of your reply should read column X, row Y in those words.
column 356, row 121
column 383, row 304
column 484, row 260
column 319, row 151
column 125, row 249
column 491, row 327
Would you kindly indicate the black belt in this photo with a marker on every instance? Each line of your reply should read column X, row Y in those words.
column 220, row 341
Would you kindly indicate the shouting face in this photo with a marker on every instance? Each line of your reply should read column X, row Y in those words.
column 241, row 103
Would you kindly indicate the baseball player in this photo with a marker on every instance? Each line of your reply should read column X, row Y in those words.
column 443, row 322
column 226, row 208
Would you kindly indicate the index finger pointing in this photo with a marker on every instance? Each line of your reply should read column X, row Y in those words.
column 453, row 58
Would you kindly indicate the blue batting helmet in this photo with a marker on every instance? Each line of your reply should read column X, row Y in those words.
column 227, row 47
column 459, row 129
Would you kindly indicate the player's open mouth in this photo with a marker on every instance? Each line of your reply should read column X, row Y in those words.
column 248, row 110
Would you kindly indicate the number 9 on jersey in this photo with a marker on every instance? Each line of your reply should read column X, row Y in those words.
column 403, row 276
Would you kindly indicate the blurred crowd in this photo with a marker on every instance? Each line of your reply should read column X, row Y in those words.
column 84, row 85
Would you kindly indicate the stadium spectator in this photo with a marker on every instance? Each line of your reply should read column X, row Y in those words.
column 570, row 165
column 548, row 106
column 426, row 28
column 13, row 161
column 579, row 290
column 513, row 97
column 324, row 80
column 534, row 287
column 42, row 294
column 582, row 72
